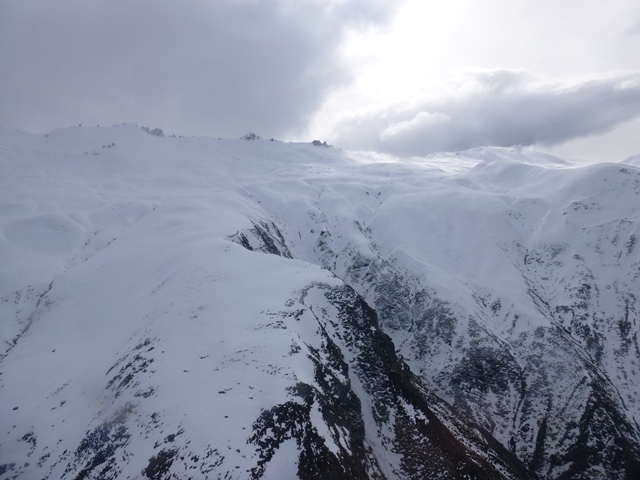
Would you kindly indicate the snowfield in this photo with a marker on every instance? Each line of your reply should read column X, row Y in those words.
column 202, row 308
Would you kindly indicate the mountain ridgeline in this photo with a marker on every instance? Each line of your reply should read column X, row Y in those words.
column 177, row 308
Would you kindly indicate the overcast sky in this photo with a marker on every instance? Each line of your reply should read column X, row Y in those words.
column 407, row 77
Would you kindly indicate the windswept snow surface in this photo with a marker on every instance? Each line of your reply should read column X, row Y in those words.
column 183, row 306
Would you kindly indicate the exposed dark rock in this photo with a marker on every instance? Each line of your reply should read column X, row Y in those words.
column 264, row 237
column 160, row 464
column 95, row 457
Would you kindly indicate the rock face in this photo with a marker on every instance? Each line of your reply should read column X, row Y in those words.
column 193, row 308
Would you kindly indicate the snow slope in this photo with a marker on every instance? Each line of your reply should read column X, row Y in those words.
column 200, row 308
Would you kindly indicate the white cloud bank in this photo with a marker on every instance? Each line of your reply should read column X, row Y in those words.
column 500, row 108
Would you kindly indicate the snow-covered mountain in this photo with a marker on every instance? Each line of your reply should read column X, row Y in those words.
column 201, row 308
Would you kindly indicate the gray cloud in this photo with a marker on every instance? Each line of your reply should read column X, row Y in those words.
column 634, row 29
column 200, row 68
column 501, row 108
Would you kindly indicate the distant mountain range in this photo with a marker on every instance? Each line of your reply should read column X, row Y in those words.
column 192, row 308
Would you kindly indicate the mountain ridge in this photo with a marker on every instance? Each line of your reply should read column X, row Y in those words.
column 200, row 308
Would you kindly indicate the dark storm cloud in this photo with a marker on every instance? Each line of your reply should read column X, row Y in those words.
column 217, row 68
column 501, row 108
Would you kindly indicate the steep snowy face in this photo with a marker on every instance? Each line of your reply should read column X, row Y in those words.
column 198, row 308
column 156, row 324
column 509, row 285
column 518, row 306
